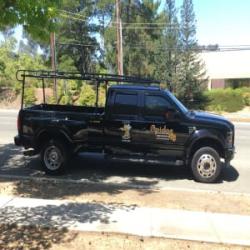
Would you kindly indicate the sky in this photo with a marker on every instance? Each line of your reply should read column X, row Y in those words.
column 223, row 22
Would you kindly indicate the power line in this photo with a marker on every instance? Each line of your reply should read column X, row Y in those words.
column 145, row 23
column 73, row 18
column 147, row 46
column 143, row 28
column 84, row 18
column 78, row 44
column 73, row 13
column 135, row 23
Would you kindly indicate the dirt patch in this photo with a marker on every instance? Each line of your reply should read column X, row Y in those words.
column 9, row 99
column 107, row 241
column 30, row 237
column 39, row 94
column 106, row 194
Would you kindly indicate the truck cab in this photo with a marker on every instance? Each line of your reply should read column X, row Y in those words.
column 152, row 122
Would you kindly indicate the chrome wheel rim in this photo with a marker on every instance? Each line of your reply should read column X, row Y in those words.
column 206, row 165
column 53, row 158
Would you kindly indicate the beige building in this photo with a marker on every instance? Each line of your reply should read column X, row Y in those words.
column 227, row 68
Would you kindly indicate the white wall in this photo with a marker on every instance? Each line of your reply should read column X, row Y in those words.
column 226, row 65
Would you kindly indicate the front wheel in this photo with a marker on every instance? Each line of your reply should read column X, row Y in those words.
column 54, row 157
column 206, row 165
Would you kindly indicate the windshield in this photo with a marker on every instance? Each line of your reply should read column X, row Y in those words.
column 178, row 103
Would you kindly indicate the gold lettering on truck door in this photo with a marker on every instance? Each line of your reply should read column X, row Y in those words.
column 163, row 133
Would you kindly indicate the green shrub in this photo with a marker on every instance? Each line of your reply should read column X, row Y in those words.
column 245, row 92
column 200, row 103
column 29, row 96
column 246, row 98
column 51, row 99
column 229, row 100
column 87, row 96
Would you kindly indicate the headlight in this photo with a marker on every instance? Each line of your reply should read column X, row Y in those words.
column 230, row 138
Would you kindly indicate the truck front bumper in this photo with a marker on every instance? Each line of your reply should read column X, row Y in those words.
column 229, row 154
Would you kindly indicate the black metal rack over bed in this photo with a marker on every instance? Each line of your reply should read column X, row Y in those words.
column 21, row 76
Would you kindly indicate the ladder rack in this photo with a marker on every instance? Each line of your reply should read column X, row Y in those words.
column 97, row 79
column 42, row 74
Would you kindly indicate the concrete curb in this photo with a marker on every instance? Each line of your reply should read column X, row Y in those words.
column 121, row 185
column 119, row 218
column 9, row 110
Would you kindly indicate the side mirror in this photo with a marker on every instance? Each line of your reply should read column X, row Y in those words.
column 172, row 115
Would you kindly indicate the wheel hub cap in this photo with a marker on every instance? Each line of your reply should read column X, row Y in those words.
column 53, row 158
column 206, row 165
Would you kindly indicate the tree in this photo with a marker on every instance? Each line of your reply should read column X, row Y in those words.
column 29, row 47
column 170, row 43
column 37, row 17
column 87, row 96
column 10, row 62
column 139, row 37
column 191, row 67
column 77, row 44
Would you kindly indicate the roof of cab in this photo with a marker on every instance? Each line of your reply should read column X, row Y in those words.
column 134, row 87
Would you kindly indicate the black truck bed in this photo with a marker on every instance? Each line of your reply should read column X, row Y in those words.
column 66, row 108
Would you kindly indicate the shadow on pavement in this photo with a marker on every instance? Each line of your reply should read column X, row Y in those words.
column 14, row 237
column 10, row 154
column 13, row 162
column 229, row 174
column 62, row 215
column 92, row 168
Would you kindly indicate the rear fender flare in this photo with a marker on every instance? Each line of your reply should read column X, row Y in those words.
column 52, row 133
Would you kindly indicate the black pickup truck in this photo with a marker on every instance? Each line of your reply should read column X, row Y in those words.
column 139, row 121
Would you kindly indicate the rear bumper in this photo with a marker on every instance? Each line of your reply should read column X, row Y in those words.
column 25, row 141
column 17, row 140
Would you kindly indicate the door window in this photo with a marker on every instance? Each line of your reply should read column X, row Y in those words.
column 156, row 106
column 125, row 104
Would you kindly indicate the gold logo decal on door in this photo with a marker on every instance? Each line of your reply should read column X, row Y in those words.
column 126, row 129
column 163, row 133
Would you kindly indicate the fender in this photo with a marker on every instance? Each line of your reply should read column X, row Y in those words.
column 54, row 132
column 203, row 134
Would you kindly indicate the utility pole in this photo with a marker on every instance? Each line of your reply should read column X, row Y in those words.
column 53, row 61
column 119, row 47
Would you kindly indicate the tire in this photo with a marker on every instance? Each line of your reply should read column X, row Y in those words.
column 206, row 165
column 54, row 157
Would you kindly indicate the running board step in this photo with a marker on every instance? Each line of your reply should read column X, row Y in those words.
column 148, row 161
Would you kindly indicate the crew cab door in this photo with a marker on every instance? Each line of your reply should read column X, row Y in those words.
column 121, row 121
column 164, row 135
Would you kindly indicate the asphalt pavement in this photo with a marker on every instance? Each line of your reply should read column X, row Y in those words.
column 94, row 168
column 8, row 125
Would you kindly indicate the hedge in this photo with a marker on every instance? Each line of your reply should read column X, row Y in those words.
column 229, row 100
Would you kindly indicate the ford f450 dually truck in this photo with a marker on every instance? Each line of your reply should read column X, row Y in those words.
column 139, row 121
